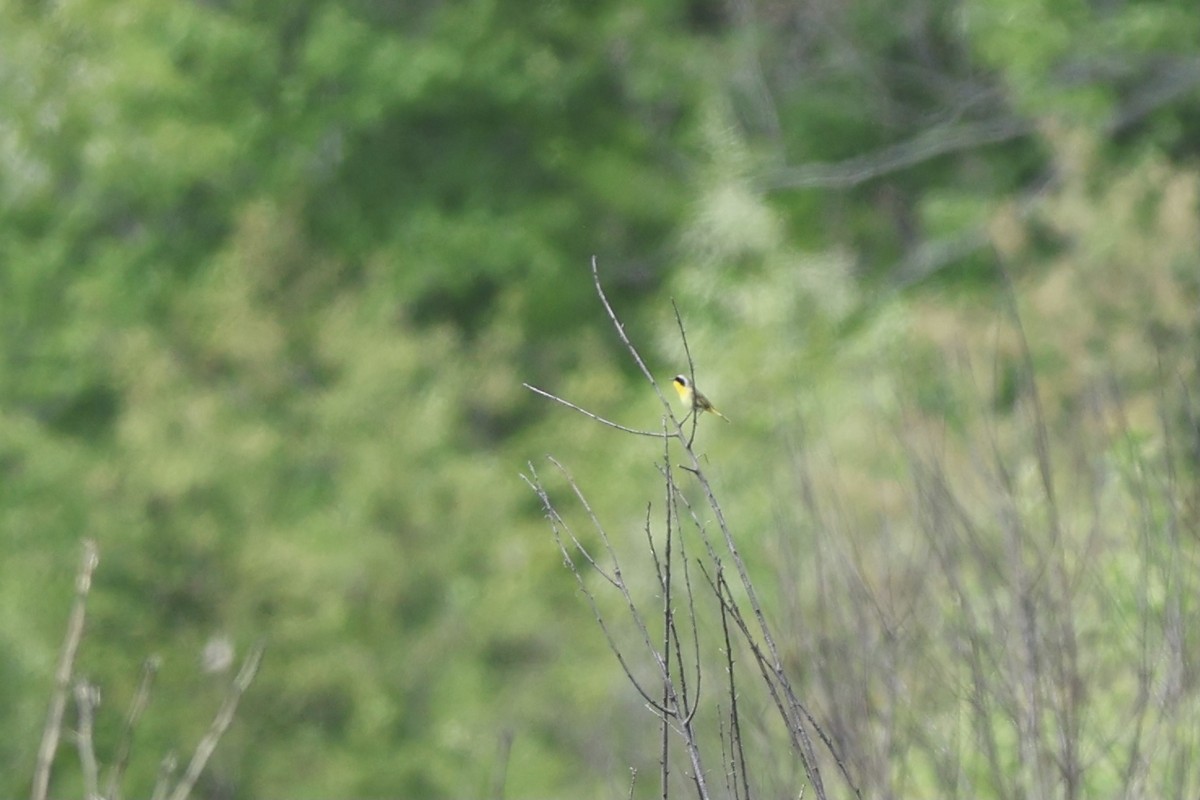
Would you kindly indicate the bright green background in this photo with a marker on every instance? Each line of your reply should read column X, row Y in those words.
column 272, row 275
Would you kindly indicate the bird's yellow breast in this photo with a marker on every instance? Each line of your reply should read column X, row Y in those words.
column 684, row 391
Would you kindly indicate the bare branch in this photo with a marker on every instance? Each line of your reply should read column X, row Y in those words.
column 1171, row 83
column 166, row 771
column 596, row 417
column 87, row 697
column 668, row 692
column 693, row 414
column 679, row 702
column 924, row 146
column 220, row 723
column 141, row 698
column 558, row 526
column 737, row 756
column 52, row 731
column 612, row 315
column 1175, row 81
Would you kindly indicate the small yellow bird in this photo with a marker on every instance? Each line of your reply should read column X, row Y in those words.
column 694, row 398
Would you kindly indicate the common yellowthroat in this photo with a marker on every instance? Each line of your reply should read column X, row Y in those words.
column 694, row 398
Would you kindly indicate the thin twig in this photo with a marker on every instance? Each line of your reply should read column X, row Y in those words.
column 612, row 315
column 112, row 789
column 726, row 759
column 927, row 144
column 587, row 413
column 620, row 327
column 737, row 755
column 52, row 731
column 1042, row 440
column 672, row 708
column 693, row 413
column 672, row 499
column 790, row 709
column 220, row 723
column 633, row 351
column 776, row 661
column 664, row 576
column 660, row 659
column 87, row 697
column 559, row 526
column 166, row 772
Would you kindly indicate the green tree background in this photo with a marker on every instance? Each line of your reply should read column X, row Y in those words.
column 272, row 276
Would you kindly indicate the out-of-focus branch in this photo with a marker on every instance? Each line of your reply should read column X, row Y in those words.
column 166, row 771
column 220, row 723
column 924, row 146
column 1175, row 80
column 52, row 732
column 112, row 788
column 1167, row 85
column 87, row 697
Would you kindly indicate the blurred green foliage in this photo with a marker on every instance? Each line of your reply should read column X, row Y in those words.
column 272, row 274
